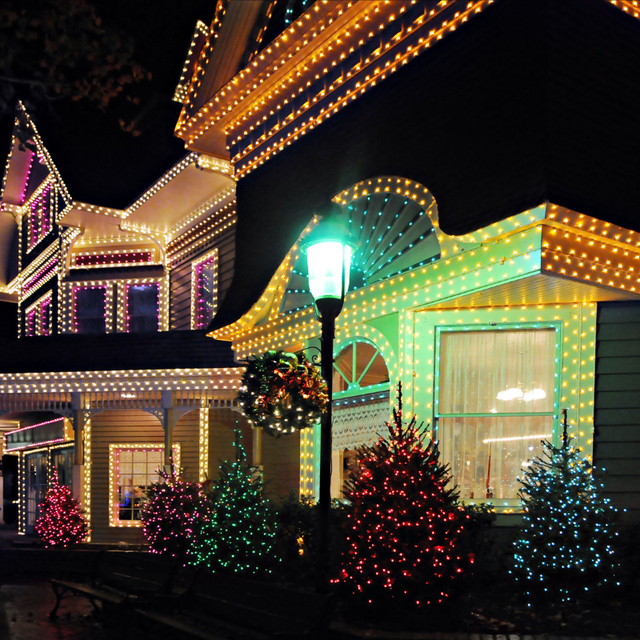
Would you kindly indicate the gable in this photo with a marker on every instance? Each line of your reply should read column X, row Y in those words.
column 510, row 110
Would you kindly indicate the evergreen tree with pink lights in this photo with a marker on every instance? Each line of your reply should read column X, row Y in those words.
column 174, row 515
column 404, row 528
column 61, row 522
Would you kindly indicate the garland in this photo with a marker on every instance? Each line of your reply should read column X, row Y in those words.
column 282, row 392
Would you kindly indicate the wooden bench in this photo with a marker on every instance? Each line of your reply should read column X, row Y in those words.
column 218, row 606
column 117, row 577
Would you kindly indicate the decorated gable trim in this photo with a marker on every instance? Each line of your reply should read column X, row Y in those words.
column 198, row 42
column 506, row 263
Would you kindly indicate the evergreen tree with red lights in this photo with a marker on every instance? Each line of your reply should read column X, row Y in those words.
column 61, row 522
column 405, row 524
column 173, row 516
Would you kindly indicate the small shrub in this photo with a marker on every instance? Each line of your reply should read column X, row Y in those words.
column 173, row 516
column 297, row 539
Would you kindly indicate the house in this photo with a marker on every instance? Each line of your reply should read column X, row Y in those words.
column 110, row 368
column 485, row 155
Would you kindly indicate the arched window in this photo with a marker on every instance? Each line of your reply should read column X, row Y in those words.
column 357, row 367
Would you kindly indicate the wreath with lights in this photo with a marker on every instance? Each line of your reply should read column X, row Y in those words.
column 282, row 392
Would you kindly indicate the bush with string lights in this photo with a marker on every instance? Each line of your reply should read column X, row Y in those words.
column 173, row 515
column 61, row 522
column 405, row 526
column 565, row 551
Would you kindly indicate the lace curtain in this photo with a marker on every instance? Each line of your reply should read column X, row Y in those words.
column 360, row 424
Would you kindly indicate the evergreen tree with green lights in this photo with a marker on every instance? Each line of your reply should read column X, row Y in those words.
column 239, row 535
column 174, row 514
column 404, row 527
column 61, row 522
column 564, row 551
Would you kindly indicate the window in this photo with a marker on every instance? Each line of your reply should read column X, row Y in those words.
column 62, row 459
column 361, row 406
column 39, row 222
column 204, row 290
column 90, row 309
column 343, row 465
column 132, row 470
column 105, row 306
column 31, row 320
column 36, row 485
column 142, row 308
column 359, row 365
column 38, row 317
column 496, row 400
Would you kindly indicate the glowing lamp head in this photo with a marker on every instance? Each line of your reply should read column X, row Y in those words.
column 329, row 249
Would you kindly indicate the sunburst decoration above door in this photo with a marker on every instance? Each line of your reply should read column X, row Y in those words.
column 391, row 220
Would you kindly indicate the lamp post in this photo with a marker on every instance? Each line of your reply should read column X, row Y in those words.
column 329, row 249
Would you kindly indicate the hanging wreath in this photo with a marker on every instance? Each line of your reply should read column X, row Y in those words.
column 282, row 392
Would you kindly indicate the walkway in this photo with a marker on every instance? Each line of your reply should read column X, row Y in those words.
column 24, row 609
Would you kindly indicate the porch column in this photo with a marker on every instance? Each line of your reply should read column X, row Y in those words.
column 168, row 422
column 257, row 446
column 78, row 442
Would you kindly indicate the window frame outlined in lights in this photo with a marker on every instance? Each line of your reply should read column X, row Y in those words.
column 477, row 478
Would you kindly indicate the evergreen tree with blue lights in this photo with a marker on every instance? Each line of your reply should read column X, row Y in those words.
column 565, row 549
column 239, row 535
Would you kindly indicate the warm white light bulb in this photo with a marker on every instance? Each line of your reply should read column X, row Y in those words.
column 509, row 394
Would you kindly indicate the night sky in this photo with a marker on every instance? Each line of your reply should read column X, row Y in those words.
column 100, row 163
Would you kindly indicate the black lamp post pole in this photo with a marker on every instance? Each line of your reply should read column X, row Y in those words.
column 326, row 350
column 328, row 311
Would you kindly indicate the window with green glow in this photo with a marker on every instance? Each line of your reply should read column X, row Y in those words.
column 361, row 406
column 496, row 402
